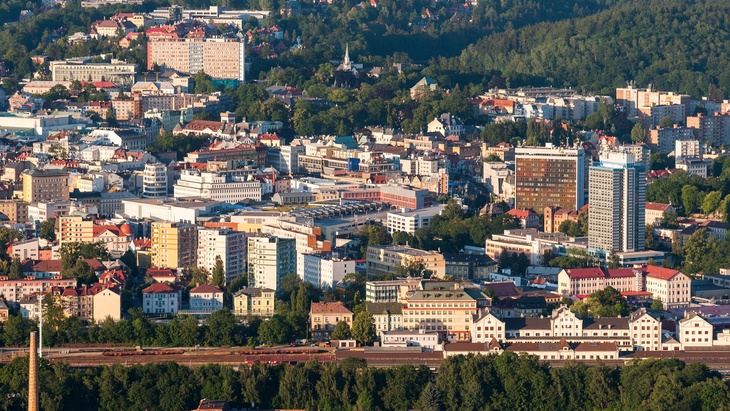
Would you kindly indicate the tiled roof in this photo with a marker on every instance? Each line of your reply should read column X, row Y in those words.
column 158, row 288
column 330, row 308
column 206, row 289
column 660, row 272
column 656, row 206
column 201, row 125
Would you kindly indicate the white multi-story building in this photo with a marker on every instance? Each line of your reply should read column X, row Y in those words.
column 160, row 298
column 229, row 245
column 166, row 209
column 206, row 298
column 324, row 272
column 687, row 149
column 646, row 331
column 69, row 70
column 663, row 139
column 154, row 181
column 671, row 286
column 285, row 159
column 220, row 58
column 410, row 221
column 617, row 199
column 695, row 331
column 694, row 166
column 269, row 260
column 226, row 187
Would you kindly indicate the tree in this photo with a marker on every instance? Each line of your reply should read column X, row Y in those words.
column 81, row 272
column 691, row 199
column 613, row 260
column 48, row 230
column 222, row 329
column 666, row 122
column 657, row 304
column 638, row 133
column 363, row 328
column 341, row 331
column 711, row 202
column 218, row 274
column 670, row 220
column 570, row 228
column 203, row 83
column 430, row 398
column 605, row 303
column 274, row 331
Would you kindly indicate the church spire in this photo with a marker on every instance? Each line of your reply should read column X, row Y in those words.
column 346, row 63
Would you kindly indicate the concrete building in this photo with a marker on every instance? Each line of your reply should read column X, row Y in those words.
column 15, row 290
column 548, row 176
column 225, row 243
column 663, row 139
column 269, row 260
column 227, row 187
column 687, row 149
column 324, row 272
column 390, row 259
column 82, row 70
column 651, row 116
column 45, row 185
column 15, row 210
column 617, row 201
column 174, row 245
column 285, row 159
column 168, row 209
column 220, row 58
column 154, row 181
column 427, row 340
column 160, row 299
column 694, row 166
column 206, row 298
column 410, row 221
column 257, row 302
column 391, row 291
column 711, row 129
column 323, row 317
column 671, row 286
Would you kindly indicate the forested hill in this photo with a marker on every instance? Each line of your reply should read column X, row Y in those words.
column 681, row 45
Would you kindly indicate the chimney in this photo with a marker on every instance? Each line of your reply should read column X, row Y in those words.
column 33, row 374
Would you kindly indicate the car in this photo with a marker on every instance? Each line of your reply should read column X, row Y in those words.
column 313, row 345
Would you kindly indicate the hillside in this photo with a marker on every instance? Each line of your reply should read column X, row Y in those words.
column 681, row 45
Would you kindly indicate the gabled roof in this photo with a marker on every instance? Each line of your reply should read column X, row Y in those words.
column 329, row 308
column 660, row 272
column 158, row 288
column 657, row 206
column 206, row 289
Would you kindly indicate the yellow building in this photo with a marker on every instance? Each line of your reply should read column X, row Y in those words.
column 16, row 210
column 75, row 229
column 323, row 318
column 45, row 185
column 174, row 245
column 254, row 301
column 389, row 259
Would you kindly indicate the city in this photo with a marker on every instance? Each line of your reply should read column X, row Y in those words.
column 382, row 205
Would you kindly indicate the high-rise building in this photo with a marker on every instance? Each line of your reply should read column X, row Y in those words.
column 154, row 181
column 174, row 245
column 45, row 185
column 269, row 260
column 225, row 243
column 220, row 58
column 550, row 176
column 617, row 200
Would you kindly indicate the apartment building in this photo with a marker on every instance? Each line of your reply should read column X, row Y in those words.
column 227, row 187
column 305, row 236
column 445, row 308
column 550, row 176
column 220, row 58
column 671, row 286
column 154, row 181
column 655, row 212
column 257, row 302
column 651, row 116
column 15, row 209
column 227, row 244
column 410, row 221
column 388, row 259
column 269, row 260
column 45, row 185
column 15, row 290
column 469, row 266
column 711, row 129
column 323, row 317
column 323, row 271
column 174, row 245
column 663, row 139
column 391, row 291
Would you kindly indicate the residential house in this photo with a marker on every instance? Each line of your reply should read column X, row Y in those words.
column 323, row 317
column 206, row 298
column 254, row 301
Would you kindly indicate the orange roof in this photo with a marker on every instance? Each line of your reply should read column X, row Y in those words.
column 206, row 289
column 158, row 288
column 330, row 308
column 521, row 214
column 657, row 206
column 660, row 272
column 592, row 272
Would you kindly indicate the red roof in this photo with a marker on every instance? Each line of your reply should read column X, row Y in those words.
column 657, row 206
column 143, row 243
column 592, row 272
column 272, row 137
column 660, row 272
column 330, row 308
column 158, row 288
column 522, row 214
column 201, row 125
column 206, row 289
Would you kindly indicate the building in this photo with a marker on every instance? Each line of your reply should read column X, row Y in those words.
column 555, row 216
column 687, row 149
column 549, row 176
column 325, row 272
column 206, row 298
column 16, row 210
column 227, row 244
column 427, row 340
column 257, row 302
column 154, row 181
column 45, row 185
column 670, row 286
column 181, row 210
column 14, row 290
column 525, row 217
column 655, row 212
column 391, row 291
column 447, row 124
column 695, row 331
column 390, row 259
column 387, row 316
column 651, row 116
column 174, row 245
column 227, row 187
column 617, row 201
column 410, row 221
column 663, row 139
column 269, row 260
column 646, row 331
column 444, row 307
column 468, row 266
column 694, row 166
column 220, row 58
column 83, row 70
column 107, row 304
column 323, row 317
column 160, row 299
column 711, row 129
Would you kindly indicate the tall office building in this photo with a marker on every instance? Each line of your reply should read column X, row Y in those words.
column 269, row 260
column 550, row 176
column 616, row 197
column 174, row 245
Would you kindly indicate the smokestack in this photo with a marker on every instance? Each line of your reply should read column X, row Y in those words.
column 33, row 374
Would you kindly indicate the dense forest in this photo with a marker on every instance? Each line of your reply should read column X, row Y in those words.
column 680, row 45
column 504, row 382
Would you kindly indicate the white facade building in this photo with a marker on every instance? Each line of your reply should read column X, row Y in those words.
column 229, row 245
column 206, row 298
column 160, row 299
column 217, row 186
column 154, row 181
column 269, row 260
column 324, row 272
column 410, row 221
